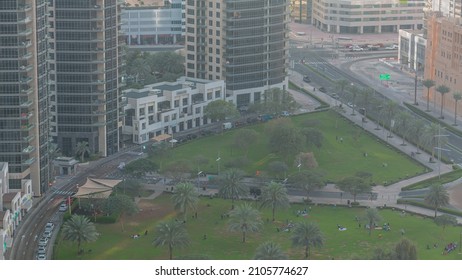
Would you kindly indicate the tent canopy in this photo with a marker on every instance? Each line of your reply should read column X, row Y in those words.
column 96, row 188
column 161, row 137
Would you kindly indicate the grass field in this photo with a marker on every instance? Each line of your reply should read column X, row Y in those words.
column 354, row 243
column 337, row 159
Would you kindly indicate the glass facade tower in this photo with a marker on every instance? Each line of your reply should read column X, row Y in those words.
column 24, row 99
column 84, row 74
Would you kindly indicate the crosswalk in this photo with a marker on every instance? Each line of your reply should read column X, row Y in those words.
column 63, row 193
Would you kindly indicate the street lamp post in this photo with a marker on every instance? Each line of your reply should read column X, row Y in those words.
column 198, row 181
column 218, row 165
column 439, row 149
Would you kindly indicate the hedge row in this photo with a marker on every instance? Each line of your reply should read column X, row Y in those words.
column 424, row 205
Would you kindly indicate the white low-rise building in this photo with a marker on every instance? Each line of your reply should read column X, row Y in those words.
column 168, row 107
column 14, row 204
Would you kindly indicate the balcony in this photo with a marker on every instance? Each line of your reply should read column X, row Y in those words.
column 25, row 68
column 25, row 44
column 99, row 113
column 27, row 126
column 25, row 116
column 25, row 32
column 28, row 138
column 24, row 20
column 27, row 55
column 28, row 149
column 29, row 161
column 25, row 80
column 27, row 91
column 26, row 103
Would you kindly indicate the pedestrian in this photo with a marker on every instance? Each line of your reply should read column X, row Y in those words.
column 146, row 232
column 205, row 236
column 195, row 215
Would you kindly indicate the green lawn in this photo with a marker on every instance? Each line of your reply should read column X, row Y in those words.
column 335, row 158
column 354, row 243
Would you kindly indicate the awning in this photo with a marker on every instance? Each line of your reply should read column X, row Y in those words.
column 161, row 137
column 96, row 188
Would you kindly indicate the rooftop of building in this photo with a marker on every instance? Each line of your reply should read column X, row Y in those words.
column 136, row 93
column 169, row 87
column 8, row 197
column 144, row 3
column 414, row 31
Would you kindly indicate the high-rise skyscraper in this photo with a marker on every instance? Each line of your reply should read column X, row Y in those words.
column 243, row 42
column 84, row 61
column 24, row 107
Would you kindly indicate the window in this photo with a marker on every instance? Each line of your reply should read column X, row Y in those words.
column 142, row 112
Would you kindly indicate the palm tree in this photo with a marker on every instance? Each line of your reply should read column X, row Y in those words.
column 245, row 219
column 307, row 235
column 437, row 196
column 79, row 229
column 172, row 234
column 390, row 109
column 428, row 84
column 354, row 90
column 81, row 149
column 372, row 216
column 417, row 129
column 185, row 197
column 230, row 185
column 442, row 89
column 457, row 96
column 430, row 136
column 274, row 195
column 403, row 125
column 341, row 85
column 269, row 251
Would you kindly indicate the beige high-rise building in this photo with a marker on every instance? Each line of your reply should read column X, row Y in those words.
column 24, row 105
column 443, row 63
column 244, row 43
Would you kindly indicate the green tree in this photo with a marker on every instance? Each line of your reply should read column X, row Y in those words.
column 457, row 96
column 354, row 186
column 341, row 85
column 219, row 110
column 284, row 139
column 354, row 91
column 436, row 197
column 442, row 89
column 185, row 197
column 430, row 137
column 371, row 216
column 82, row 149
column 140, row 167
column 244, row 138
column 307, row 235
column 274, row 195
column 121, row 205
column 231, row 185
column 307, row 181
column 390, row 109
column 172, row 234
column 313, row 137
column 445, row 220
column 417, row 131
column 403, row 125
column 79, row 229
column 428, row 84
column 269, row 251
column 245, row 219
column 405, row 250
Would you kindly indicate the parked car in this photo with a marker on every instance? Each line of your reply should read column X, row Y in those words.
column 41, row 250
column 47, row 233
column 335, row 96
column 43, row 241
column 63, row 207
column 285, row 114
column 306, row 79
column 41, row 257
column 322, row 89
column 49, row 226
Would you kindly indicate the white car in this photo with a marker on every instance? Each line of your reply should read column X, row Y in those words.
column 49, row 226
column 41, row 257
column 47, row 234
column 43, row 241
column 63, row 207
column 42, row 250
